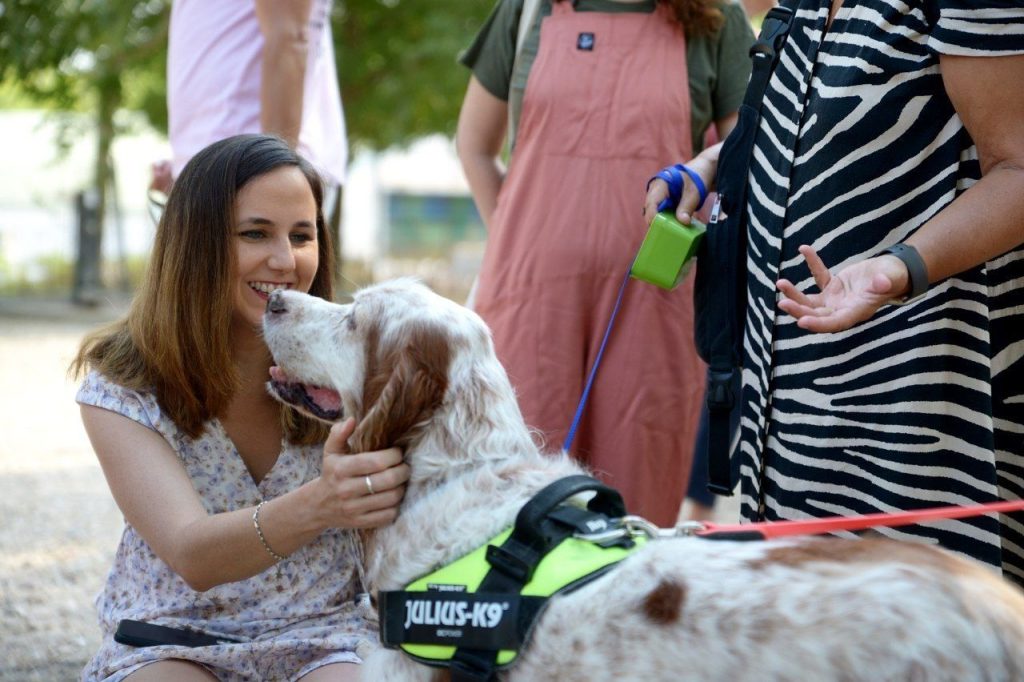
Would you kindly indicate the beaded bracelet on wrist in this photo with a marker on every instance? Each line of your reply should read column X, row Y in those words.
column 259, row 532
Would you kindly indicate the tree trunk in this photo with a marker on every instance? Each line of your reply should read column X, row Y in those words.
column 335, row 228
column 88, row 284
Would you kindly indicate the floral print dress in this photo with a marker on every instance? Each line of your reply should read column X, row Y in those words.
column 298, row 615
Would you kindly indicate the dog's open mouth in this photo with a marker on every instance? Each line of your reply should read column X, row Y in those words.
column 322, row 403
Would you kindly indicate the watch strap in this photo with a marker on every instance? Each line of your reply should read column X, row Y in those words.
column 917, row 271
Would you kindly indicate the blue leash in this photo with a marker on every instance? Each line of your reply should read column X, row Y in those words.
column 597, row 361
column 673, row 175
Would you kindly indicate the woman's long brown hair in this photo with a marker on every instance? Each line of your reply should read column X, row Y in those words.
column 175, row 340
column 697, row 17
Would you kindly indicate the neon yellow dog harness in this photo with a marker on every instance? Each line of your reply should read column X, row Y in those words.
column 474, row 614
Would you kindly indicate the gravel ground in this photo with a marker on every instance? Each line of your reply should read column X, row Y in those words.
column 58, row 524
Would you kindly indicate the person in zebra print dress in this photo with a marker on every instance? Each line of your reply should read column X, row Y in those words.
column 887, row 122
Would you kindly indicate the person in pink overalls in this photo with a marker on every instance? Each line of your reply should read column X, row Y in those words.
column 607, row 99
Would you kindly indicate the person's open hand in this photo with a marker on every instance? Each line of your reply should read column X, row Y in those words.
column 161, row 179
column 361, row 490
column 849, row 296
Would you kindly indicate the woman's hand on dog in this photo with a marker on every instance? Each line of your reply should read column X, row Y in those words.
column 361, row 490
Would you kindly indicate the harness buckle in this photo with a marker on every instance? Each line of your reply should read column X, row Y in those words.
column 509, row 563
column 719, row 394
column 638, row 525
column 689, row 528
column 470, row 666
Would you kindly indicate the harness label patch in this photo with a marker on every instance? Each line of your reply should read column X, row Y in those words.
column 456, row 619
column 585, row 41
column 458, row 613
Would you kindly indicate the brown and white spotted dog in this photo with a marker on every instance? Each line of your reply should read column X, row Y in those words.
column 419, row 371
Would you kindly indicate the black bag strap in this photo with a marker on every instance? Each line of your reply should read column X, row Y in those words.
column 721, row 402
column 765, row 53
column 725, row 360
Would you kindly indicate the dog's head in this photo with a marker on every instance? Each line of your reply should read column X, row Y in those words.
column 387, row 359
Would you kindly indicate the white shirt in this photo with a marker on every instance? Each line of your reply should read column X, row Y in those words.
column 213, row 82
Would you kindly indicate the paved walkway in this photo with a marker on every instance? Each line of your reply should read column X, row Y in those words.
column 59, row 525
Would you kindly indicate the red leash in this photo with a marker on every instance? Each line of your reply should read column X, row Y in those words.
column 778, row 529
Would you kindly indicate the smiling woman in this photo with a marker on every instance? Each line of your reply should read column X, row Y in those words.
column 176, row 326
column 275, row 240
column 216, row 480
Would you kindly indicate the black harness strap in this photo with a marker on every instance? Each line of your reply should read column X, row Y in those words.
column 538, row 529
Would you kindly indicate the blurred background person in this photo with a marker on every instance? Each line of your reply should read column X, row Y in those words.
column 249, row 66
column 607, row 88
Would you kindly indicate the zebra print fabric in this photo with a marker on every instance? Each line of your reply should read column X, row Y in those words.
column 922, row 405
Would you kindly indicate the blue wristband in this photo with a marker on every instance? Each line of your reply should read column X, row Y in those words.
column 673, row 175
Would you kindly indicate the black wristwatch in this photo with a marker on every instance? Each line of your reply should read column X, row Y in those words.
column 917, row 271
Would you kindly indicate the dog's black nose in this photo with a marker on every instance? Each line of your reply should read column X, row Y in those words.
column 275, row 304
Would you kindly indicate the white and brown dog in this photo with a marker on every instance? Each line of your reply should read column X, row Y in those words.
column 419, row 371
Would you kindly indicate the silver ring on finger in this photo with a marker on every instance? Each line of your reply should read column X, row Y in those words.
column 369, row 485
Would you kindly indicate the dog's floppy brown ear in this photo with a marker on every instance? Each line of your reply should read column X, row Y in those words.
column 403, row 387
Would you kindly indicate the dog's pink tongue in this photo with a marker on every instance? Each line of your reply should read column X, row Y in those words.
column 325, row 398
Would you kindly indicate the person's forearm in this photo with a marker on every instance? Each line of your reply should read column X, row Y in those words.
column 224, row 548
column 478, row 140
column 282, row 83
column 707, row 164
column 485, row 175
column 981, row 224
column 985, row 221
column 284, row 25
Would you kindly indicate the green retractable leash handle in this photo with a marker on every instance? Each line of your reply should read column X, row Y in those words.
column 669, row 247
column 667, row 252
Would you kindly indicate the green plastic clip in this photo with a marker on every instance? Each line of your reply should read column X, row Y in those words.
column 667, row 252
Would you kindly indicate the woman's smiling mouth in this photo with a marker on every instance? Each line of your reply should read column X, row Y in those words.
column 264, row 289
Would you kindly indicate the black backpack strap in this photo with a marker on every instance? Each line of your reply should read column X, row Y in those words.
column 726, row 351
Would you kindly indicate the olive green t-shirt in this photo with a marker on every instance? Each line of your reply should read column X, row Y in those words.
column 718, row 64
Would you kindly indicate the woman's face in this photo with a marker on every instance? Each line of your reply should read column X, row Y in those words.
column 275, row 240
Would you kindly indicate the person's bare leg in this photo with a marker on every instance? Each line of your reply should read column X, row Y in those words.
column 691, row 510
column 172, row 670
column 334, row 672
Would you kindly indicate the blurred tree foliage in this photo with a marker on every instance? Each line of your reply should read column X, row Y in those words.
column 87, row 55
column 68, row 54
column 397, row 65
column 396, row 60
